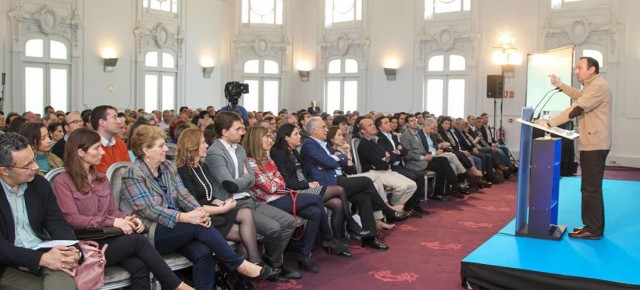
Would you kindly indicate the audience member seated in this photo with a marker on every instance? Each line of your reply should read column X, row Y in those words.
column 16, row 124
column 55, row 131
column 289, row 163
column 228, row 164
column 71, row 122
column 104, row 119
column 153, row 190
column 236, row 224
column 27, row 194
column 390, row 143
column 86, row 202
column 270, row 188
column 38, row 137
column 335, row 140
column 417, row 158
column 373, row 158
column 323, row 164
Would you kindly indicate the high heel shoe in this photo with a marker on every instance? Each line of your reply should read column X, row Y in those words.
column 305, row 264
column 265, row 272
column 334, row 246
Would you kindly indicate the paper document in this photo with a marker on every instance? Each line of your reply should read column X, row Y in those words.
column 53, row 243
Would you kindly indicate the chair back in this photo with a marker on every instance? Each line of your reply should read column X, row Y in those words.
column 355, row 142
column 114, row 175
column 53, row 173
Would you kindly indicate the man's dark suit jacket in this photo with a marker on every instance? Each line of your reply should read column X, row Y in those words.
column 58, row 148
column 386, row 144
column 46, row 221
column 318, row 165
column 372, row 156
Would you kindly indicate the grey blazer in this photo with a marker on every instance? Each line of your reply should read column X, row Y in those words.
column 221, row 167
column 414, row 151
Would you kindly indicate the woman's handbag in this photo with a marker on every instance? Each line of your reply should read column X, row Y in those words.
column 90, row 274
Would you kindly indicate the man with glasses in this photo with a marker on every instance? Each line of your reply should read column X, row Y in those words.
column 104, row 119
column 26, row 194
column 70, row 123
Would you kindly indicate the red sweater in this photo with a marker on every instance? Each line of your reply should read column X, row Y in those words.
column 116, row 153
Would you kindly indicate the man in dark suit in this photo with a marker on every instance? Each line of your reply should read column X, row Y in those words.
column 323, row 164
column 392, row 146
column 228, row 165
column 374, row 158
column 70, row 122
column 314, row 110
column 29, row 215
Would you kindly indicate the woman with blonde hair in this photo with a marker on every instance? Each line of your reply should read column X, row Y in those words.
column 154, row 191
column 270, row 188
column 236, row 224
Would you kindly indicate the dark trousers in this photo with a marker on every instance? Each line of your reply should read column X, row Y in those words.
column 466, row 163
column 592, row 164
column 442, row 168
column 198, row 244
column 418, row 178
column 361, row 192
column 135, row 254
column 310, row 207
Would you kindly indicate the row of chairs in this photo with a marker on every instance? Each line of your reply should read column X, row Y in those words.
column 116, row 277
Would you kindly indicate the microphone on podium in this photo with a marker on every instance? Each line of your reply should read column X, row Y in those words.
column 545, row 103
column 540, row 102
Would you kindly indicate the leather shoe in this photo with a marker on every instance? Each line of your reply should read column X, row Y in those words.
column 374, row 243
column 395, row 216
column 441, row 198
column 290, row 273
column 585, row 235
column 421, row 210
column 577, row 230
column 415, row 214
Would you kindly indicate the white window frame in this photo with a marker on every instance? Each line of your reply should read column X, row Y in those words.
column 246, row 14
column 261, row 78
column 46, row 63
column 342, row 77
column 446, row 75
column 160, row 72
column 329, row 14
column 431, row 14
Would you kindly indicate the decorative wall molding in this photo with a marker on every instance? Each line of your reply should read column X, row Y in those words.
column 275, row 46
column 338, row 45
column 461, row 37
column 158, row 37
column 581, row 31
column 44, row 19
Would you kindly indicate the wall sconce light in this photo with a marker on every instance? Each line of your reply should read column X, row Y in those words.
column 391, row 73
column 507, row 55
column 304, row 75
column 110, row 64
column 207, row 71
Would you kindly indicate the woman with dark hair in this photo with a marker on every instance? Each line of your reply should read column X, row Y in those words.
column 40, row 142
column 236, row 224
column 55, row 131
column 86, row 202
column 289, row 164
column 16, row 123
column 270, row 188
column 210, row 134
column 395, row 128
column 153, row 190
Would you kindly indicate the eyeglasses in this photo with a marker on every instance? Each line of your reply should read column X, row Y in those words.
column 29, row 165
column 74, row 122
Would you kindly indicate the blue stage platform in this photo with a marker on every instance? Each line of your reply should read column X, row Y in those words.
column 507, row 261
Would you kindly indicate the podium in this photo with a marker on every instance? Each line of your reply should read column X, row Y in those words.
column 537, row 200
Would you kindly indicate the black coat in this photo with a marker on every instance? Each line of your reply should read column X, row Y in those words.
column 287, row 168
column 372, row 156
column 46, row 221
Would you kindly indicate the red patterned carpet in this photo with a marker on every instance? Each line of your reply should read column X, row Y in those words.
column 425, row 253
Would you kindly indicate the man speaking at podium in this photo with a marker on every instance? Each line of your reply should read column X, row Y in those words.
column 593, row 105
